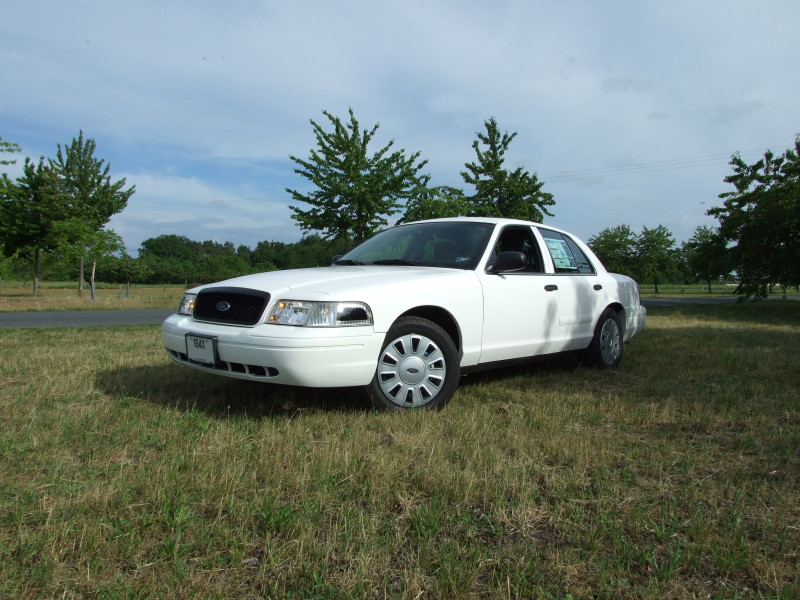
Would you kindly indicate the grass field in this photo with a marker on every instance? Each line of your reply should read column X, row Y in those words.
column 719, row 289
column 677, row 476
column 670, row 289
column 64, row 296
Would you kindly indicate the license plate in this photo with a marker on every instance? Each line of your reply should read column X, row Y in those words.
column 201, row 349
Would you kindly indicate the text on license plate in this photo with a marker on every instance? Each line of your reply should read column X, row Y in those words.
column 200, row 349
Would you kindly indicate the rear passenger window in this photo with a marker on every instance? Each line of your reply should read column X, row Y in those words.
column 567, row 256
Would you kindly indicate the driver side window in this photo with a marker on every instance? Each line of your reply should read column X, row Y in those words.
column 520, row 239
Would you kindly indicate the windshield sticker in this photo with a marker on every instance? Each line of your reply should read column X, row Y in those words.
column 562, row 257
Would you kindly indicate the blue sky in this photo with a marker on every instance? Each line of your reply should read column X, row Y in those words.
column 629, row 111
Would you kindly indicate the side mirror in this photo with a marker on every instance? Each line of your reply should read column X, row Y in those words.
column 507, row 262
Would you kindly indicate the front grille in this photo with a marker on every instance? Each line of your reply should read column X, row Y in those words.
column 230, row 305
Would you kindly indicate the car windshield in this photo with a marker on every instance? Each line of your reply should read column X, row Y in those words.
column 451, row 244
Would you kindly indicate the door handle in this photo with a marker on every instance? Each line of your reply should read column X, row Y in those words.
column 550, row 288
column 597, row 287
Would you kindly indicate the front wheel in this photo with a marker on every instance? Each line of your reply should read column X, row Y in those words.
column 418, row 367
column 605, row 351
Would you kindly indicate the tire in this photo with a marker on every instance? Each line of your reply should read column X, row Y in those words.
column 605, row 350
column 418, row 367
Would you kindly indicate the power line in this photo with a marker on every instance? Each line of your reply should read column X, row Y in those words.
column 646, row 167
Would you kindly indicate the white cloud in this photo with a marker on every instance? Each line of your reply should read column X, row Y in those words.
column 164, row 205
column 206, row 100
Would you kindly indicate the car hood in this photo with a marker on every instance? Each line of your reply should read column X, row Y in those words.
column 334, row 280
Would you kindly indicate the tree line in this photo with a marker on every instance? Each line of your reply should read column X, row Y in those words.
column 177, row 259
column 54, row 215
column 59, row 208
column 651, row 256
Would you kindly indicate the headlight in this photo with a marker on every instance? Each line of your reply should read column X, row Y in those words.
column 187, row 304
column 320, row 314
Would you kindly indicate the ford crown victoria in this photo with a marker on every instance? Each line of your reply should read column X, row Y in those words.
column 407, row 312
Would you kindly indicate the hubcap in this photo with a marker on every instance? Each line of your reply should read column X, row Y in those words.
column 610, row 342
column 411, row 370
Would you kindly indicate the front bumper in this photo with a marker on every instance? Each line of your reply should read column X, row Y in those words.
column 302, row 356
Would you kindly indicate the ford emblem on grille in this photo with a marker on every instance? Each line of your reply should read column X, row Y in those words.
column 223, row 306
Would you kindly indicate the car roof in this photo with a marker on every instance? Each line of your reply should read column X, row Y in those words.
column 491, row 220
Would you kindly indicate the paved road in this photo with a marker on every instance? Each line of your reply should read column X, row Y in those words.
column 689, row 301
column 82, row 318
column 105, row 318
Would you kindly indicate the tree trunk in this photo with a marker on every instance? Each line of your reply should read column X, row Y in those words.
column 37, row 263
column 91, row 280
column 80, row 278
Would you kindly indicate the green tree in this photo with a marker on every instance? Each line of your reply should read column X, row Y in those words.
column 6, row 188
column 61, row 204
column 498, row 192
column 75, row 240
column 210, row 268
column 172, row 246
column 656, row 255
column 705, row 256
column 244, row 253
column 760, row 221
column 9, row 147
column 616, row 249
column 435, row 203
column 169, row 258
column 313, row 251
column 268, row 256
column 28, row 211
column 212, row 248
column 123, row 269
column 354, row 191
column 89, row 195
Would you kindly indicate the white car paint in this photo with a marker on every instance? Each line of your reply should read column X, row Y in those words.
column 494, row 316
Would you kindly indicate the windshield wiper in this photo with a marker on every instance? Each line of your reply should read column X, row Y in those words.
column 347, row 261
column 397, row 261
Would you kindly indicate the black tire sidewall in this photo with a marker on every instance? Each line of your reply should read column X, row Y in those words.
column 594, row 356
column 418, row 325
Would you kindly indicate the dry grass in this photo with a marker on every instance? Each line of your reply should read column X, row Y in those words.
column 64, row 296
column 123, row 475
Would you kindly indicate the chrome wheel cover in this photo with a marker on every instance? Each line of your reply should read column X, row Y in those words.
column 411, row 370
column 610, row 342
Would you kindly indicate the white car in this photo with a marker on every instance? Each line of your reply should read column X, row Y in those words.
column 407, row 312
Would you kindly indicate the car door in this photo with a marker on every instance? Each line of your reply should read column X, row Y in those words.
column 520, row 316
column 579, row 292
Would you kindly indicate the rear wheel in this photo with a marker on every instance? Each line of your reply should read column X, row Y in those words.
column 605, row 351
column 418, row 367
